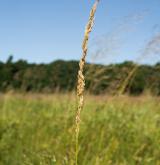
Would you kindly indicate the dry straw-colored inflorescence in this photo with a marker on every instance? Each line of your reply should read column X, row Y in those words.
column 81, row 79
column 151, row 48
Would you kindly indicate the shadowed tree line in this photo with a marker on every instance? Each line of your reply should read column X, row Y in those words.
column 61, row 76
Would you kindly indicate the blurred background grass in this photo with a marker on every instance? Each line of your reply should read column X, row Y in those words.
column 39, row 129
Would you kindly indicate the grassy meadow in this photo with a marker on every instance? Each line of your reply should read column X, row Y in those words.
column 38, row 129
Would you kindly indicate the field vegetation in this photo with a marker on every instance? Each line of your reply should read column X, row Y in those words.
column 39, row 129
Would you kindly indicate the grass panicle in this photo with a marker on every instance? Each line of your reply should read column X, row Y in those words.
column 81, row 79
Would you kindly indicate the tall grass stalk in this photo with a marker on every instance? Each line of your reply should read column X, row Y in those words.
column 127, row 79
column 151, row 48
column 81, row 78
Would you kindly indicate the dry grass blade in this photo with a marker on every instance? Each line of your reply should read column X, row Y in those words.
column 81, row 79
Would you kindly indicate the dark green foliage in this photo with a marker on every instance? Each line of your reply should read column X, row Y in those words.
column 61, row 76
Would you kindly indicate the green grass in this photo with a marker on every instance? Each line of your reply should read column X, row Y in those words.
column 39, row 130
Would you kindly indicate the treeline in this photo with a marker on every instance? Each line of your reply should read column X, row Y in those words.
column 61, row 76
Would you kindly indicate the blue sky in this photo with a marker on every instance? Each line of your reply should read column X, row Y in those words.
column 46, row 30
